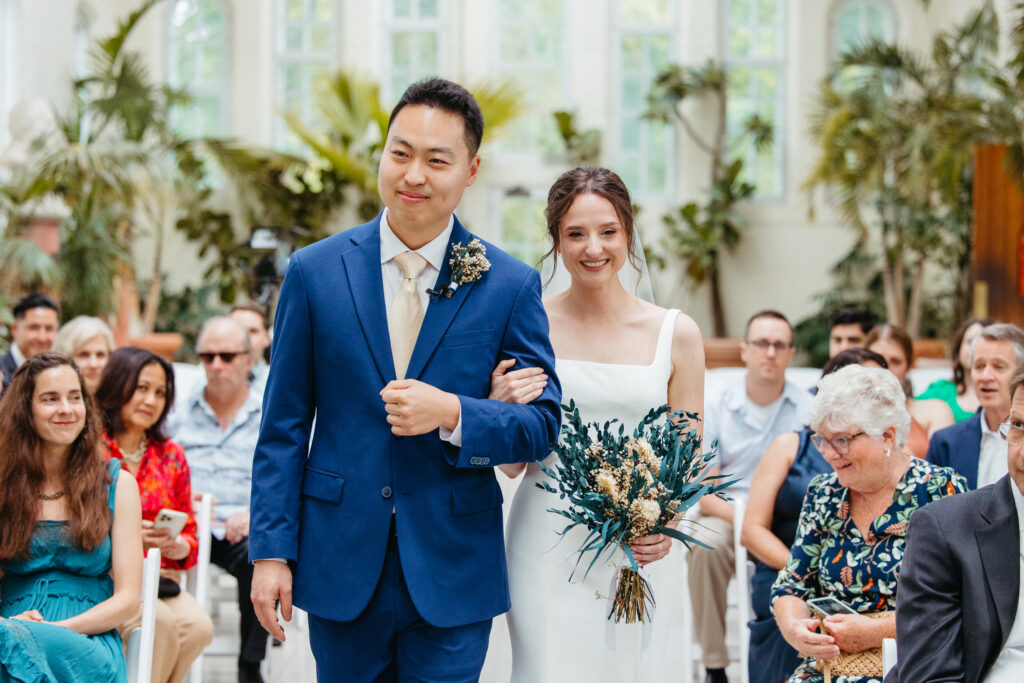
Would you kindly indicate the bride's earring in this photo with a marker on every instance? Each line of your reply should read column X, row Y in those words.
column 888, row 452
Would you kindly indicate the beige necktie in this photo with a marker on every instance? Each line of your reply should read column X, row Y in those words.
column 406, row 311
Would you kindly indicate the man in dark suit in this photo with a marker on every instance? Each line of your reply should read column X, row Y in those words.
column 959, row 616
column 35, row 326
column 973, row 447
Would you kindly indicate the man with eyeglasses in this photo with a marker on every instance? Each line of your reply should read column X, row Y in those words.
column 218, row 426
column 960, row 613
column 744, row 419
column 973, row 447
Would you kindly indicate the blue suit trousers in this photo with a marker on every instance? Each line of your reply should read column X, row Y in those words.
column 389, row 641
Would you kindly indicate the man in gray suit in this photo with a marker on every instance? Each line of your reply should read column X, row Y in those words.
column 959, row 613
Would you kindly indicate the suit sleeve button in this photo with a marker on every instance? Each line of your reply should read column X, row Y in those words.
column 386, row 492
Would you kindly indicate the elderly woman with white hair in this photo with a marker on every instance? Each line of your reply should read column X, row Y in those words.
column 852, row 529
column 89, row 342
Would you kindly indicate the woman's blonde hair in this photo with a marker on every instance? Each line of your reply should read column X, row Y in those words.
column 78, row 331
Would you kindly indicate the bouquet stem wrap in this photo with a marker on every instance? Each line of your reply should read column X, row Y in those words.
column 630, row 599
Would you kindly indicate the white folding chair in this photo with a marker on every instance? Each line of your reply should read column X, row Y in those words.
column 742, row 577
column 197, row 578
column 888, row 655
column 140, row 640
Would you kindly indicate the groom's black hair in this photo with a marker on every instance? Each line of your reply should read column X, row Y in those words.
column 439, row 93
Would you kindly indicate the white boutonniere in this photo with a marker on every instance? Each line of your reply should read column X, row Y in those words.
column 468, row 264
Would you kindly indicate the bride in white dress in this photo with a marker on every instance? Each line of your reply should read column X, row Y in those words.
column 617, row 356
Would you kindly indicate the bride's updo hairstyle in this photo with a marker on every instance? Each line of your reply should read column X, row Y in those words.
column 589, row 180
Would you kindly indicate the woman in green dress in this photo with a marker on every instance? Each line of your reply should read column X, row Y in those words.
column 70, row 566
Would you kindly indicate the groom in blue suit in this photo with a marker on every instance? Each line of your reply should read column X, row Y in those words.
column 387, row 526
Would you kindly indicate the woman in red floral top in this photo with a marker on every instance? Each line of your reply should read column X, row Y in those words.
column 135, row 395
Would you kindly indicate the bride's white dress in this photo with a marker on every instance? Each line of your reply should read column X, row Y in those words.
column 558, row 627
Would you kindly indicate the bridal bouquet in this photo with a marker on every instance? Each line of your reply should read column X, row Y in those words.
column 622, row 487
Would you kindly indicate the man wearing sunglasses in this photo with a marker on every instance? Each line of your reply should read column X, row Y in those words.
column 218, row 425
column 960, row 616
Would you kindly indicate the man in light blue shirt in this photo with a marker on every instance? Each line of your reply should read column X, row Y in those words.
column 744, row 419
column 218, row 425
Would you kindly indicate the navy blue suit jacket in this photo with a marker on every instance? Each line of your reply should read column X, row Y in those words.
column 959, row 446
column 8, row 366
column 958, row 586
column 326, row 504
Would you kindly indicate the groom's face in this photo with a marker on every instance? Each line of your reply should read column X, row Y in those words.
column 425, row 168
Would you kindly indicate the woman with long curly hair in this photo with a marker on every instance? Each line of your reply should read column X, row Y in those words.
column 70, row 567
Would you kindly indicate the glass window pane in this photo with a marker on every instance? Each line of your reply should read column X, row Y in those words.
column 739, row 41
column 293, row 38
column 629, row 171
column 428, row 9
column 320, row 38
column 402, row 8
column 739, row 12
column 401, row 51
column 646, row 12
column 658, row 51
column 426, row 52
column 632, row 52
column 323, row 10
column 767, row 11
column 631, row 134
column 657, row 174
column 766, row 45
column 293, row 10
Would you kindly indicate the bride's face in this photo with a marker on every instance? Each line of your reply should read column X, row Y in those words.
column 592, row 240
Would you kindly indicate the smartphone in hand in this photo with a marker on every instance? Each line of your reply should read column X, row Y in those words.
column 174, row 520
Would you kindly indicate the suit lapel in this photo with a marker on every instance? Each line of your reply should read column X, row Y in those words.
column 999, row 545
column 441, row 310
column 968, row 452
column 362, row 265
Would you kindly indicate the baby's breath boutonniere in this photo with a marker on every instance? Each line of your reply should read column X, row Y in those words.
column 468, row 264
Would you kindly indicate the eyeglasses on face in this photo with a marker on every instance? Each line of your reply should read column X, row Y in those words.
column 764, row 345
column 1012, row 433
column 840, row 444
column 225, row 356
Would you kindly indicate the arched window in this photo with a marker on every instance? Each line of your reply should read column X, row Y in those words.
column 530, row 47
column 643, row 36
column 754, row 54
column 198, row 63
column 855, row 21
column 306, row 53
column 412, row 45
column 9, row 71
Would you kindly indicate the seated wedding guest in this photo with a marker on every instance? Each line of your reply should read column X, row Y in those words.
column 253, row 317
column 973, row 448
column 70, row 567
column 218, row 425
column 88, row 341
column 847, row 329
column 927, row 416
column 959, row 393
column 960, row 616
column 851, row 532
column 136, row 392
column 35, row 324
column 777, row 492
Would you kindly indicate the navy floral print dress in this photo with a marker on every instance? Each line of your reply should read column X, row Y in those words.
column 830, row 556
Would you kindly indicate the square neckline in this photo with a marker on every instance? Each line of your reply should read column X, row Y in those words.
column 670, row 315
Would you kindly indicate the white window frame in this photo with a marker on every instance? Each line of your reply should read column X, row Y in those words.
column 10, row 62
column 779, row 64
column 499, row 69
column 620, row 29
column 837, row 10
column 221, row 92
column 283, row 57
column 416, row 24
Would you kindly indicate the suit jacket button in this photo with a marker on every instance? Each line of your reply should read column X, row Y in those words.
column 484, row 461
column 386, row 492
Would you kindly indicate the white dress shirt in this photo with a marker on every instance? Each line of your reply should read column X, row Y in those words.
column 17, row 355
column 992, row 457
column 1010, row 663
column 434, row 253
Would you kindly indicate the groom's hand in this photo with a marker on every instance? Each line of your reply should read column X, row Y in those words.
column 272, row 581
column 417, row 408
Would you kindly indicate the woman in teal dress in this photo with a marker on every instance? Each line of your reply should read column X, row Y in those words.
column 70, row 567
column 852, row 528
